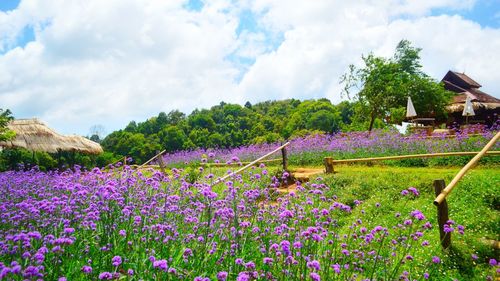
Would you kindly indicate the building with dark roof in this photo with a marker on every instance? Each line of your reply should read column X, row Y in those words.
column 486, row 107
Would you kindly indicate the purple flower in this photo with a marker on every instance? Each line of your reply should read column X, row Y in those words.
column 314, row 265
column 448, row 228
column 3, row 272
column 122, row 232
column 116, row 260
column 31, row 271
column 161, row 264
column 297, row 245
column 69, row 230
column 188, row 252
column 137, row 219
column 35, row 235
column 426, row 275
column 336, row 268
column 16, row 269
column 268, row 260
column 418, row 215
column 130, row 272
column 314, row 276
column 493, row 262
column 250, row 265
column 436, row 259
column 238, row 261
column 105, row 276
column 172, row 270
column 285, row 247
column 414, row 191
column 404, row 192
column 243, row 276
column 86, row 269
column 222, row 276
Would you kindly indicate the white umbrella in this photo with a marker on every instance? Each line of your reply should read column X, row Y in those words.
column 468, row 110
column 410, row 110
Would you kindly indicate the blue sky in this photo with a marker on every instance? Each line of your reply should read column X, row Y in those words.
column 109, row 62
column 485, row 12
column 7, row 5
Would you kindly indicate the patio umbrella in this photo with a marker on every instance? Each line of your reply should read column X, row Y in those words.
column 410, row 109
column 468, row 110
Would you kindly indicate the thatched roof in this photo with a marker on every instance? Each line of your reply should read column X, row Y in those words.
column 459, row 107
column 34, row 135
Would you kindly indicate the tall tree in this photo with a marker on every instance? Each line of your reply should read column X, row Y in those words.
column 5, row 117
column 384, row 84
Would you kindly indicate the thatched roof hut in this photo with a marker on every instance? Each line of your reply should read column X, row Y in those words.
column 487, row 107
column 34, row 135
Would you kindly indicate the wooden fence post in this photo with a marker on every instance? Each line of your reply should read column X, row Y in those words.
column 124, row 161
column 442, row 210
column 329, row 165
column 161, row 163
column 285, row 159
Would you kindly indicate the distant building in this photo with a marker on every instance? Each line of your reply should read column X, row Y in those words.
column 486, row 107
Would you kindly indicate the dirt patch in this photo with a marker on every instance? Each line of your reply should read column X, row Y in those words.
column 304, row 174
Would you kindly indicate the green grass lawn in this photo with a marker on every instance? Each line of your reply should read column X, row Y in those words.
column 474, row 203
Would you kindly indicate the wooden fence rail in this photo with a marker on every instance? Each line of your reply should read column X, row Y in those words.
column 219, row 180
column 153, row 158
column 466, row 168
column 442, row 192
column 243, row 163
column 330, row 162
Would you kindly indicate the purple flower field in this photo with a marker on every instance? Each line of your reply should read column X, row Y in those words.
column 131, row 226
column 123, row 224
column 311, row 150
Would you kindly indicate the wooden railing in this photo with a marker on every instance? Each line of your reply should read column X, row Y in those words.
column 283, row 153
column 466, row 168
column 442, row 192
column 160, row 161
column 330, row 162
column 243, row 163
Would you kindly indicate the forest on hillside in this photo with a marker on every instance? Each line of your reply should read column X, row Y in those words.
column 377, row 93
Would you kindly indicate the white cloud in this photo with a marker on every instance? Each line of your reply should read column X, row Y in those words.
column 109, row 62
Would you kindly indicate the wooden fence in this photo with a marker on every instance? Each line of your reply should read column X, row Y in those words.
column 243, row 163
column 442, row 192
column 330, row 162
column 258, row 160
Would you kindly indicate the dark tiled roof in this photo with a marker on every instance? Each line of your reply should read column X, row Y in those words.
column 468, row 80
column 460, row 80
column 452, row 87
